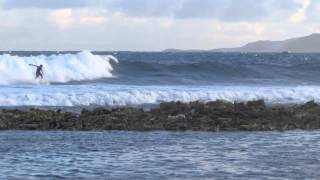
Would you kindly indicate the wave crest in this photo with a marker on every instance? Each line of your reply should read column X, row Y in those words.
column 60, row 68
column 84, row 95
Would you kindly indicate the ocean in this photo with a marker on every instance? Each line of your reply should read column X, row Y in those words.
column 74, row 79
column 159, row 155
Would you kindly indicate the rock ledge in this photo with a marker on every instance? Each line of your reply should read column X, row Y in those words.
column 172, row 116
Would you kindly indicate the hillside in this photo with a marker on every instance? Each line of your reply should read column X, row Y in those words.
column 307, row 44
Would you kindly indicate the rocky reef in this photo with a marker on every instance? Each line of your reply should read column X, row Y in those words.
column 173, row 116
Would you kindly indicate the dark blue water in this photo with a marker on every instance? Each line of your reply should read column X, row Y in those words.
column 159, row 155
column 217, row 68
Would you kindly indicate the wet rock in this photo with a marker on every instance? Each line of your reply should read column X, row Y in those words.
column 177, row 122
column 174, row 108
column 175, row 116
column 3, row 124
column 258, row 105
column 29, row 126
column 310, row 105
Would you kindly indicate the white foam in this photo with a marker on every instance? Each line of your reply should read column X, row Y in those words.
column 57, row 68
column 71, row 95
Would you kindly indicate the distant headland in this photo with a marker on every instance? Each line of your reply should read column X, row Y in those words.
column 306, row 44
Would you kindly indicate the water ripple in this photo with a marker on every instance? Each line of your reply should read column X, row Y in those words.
column 159, row 155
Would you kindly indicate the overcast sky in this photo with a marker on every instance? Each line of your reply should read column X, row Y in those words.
column 151, row 25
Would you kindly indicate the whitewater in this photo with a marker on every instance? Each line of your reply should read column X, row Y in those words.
column 57, row 68
column 135, row 79
column 87, row 95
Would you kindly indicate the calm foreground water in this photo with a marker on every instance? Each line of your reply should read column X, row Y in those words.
column 159, row 155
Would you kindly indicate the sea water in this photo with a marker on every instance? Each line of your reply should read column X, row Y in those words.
column 90, row 79
column 159, row 155
column 138, row 78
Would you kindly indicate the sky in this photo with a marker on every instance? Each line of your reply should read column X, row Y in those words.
column 151, row 25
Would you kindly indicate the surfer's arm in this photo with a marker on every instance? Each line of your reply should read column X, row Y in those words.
column 33, row 65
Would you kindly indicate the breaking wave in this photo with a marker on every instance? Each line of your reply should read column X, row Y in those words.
column 152, row 78
column 60, row 68
column 84, row 95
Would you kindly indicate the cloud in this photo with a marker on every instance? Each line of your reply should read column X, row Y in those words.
column 312, row 12
column 226, row 10
column 92, row 19
column 68, row 17
column 229, row 10
column 150, row 24
column 49, row 4
column 300, row 15
column 62, row 17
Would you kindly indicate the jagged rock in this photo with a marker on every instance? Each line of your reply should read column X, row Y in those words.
column 3, row 124
column 29, row 126
column 259, row 104
column 196, row 116
column 174, row 108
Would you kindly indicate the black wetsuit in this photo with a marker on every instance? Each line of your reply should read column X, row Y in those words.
column 39, row 72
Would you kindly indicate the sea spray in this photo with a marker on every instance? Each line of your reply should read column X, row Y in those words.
column 60, row 68
column 114, row 95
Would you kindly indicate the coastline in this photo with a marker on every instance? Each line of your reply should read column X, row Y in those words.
column 171, row 116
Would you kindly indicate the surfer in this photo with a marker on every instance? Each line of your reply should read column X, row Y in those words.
column 39, row 72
